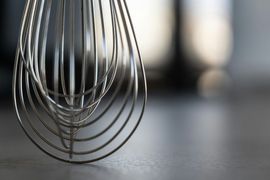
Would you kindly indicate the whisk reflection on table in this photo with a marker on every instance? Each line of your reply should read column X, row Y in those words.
column 78, row 75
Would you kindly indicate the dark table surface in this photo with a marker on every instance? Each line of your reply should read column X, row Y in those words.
column 181, row 137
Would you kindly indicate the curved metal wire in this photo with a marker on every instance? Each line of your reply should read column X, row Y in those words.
column 69, row 98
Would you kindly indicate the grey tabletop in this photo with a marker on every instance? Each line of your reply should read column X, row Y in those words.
column 181, row 137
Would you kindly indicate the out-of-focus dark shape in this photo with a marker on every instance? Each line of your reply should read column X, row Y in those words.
column 10, row 13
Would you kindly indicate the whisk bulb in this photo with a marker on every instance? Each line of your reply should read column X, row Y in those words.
column 79, row 84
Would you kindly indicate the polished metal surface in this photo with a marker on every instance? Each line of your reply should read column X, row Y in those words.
column 73, row 60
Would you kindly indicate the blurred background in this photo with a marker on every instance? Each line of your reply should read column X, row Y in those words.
column 208, row 70
column 196, row 46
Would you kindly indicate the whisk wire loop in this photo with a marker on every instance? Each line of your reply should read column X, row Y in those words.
column 79, row 83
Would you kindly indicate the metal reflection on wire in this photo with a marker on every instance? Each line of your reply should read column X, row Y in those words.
column 69, row 99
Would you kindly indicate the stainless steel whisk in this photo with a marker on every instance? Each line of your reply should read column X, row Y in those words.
column 78, row 77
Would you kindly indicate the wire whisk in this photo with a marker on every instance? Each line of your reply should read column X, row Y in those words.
column 79, row 84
